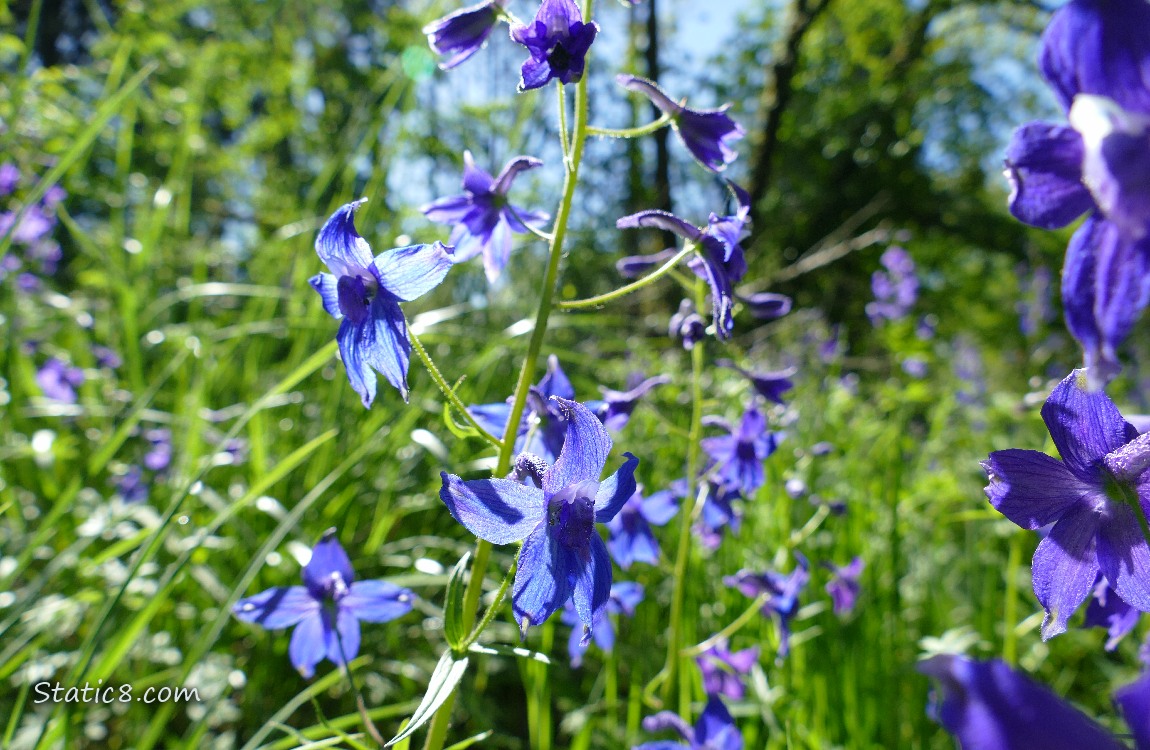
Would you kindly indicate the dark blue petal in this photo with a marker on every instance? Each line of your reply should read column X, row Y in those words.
column 1085, row 425
column 350, row 337
column 716, row 728
column 462, row 33
column 989, row 705
column 709, row 134
column 1064, row 568
column 377, row 601
column 1124, row 557
column 476, row 180
column 1134, row 700
column 339, row 244
column 1044, row 167
column 410, row 272
column 308, row 644
column 491, row 417
column 585, row 449
column 555, row 382
column 664, row 220
column 326, row 286
column 385, row 346
column 1116, row 161
column 280, row 607
column 497, row 510
column 542, row 580
column 767, row 305
column 343, row 639
column 534, row 74
column 592, row 585
column 328, row 568
column 615, row 490
column 511, row 170
column 1031, row 488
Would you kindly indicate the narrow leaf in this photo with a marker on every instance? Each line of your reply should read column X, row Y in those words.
column 453, row 626
column 448, row 672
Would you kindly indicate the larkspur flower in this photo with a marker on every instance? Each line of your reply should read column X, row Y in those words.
column 709, row 134
column 364, row 295
column 616, row 407
column 740, row 454
column 631, row 538
column 723, row 670
column 634, row 266
column 767, row 305
column 1089, row 496
column 59, row 381
column 719, row 255
column 719, row 513
column 895, row 287
column 562, row 554
column 844, row 586
column 715, row 730
column 327, row 609
column 687, row 325
column 461, row 34
column 483, row 217
column 986, row 704
column 1107, row 610
column 769, row 385
column 9, row 178
column 782, row 592
column 1094, row 55
column 625, row 597
column 557, row 41
column 543, row 425
column 131, row 485
column 159, row 454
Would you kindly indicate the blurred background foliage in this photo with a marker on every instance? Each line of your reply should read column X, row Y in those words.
column 202, row 143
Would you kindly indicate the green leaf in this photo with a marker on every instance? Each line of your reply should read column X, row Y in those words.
column 463, row 744
column 499, row 650
column 448, row 672
column 454, row 628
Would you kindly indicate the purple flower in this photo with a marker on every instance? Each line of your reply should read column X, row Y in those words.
column 782, row 592
column 895, row 288
column 464, row 32
column 723, row 670
column 562, row 555
column 716, row 729
column 364, row 295
column 769, row 385
column 844, row 585
column 767, row 305
column 1134, row 701
column 741, row 453
column 719, row 257
column 1090, row 497
column 34, row 225
column 327, row 609
column 631, row 538
column 59, row 381
column 687, row 325
column 1094, row 55
column 1107, row 610
column 9, row 178
column 159, row 456
column 543, row 425
column 625, row 597
column 634, row 266
column 986, row 704
column 131, row 485
column 615, row 409
column 557, row 41
column 719, row 512
column 709, row 134
column 483, row 217
column 106, row 357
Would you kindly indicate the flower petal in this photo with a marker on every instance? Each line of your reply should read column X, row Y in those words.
column 511, row 170
column 709, row 134
column 377, row 601
column 343, row 639
column 328, row 560
column 555, row 382
column 1031, row 488
column 410, row 272
column 592, row 585
column 491, row 417
column 1124, row 557
column 279, row 607
column 664, row 220
column 615, row 490
column 497, row 250
column 716, row 727
column 651, row 90
column 350, row 337
column 476, row 180
column 449, row 210
column 497, row 510
column 339, row 244
column 1134, row 700
column 1044, row 167
column 542, row 582
column 327, row 286
column 585, row 448
column 308, row 644
column 1064, row 568
column 1085, row 425
column 462, row 33
column 387, row 348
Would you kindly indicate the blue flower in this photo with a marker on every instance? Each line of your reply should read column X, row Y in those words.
column 719, row 255
column 327, row 609
column 542, row 427
column 159, row 454
column 1094, row 55
column 364, row 295
column 463, row 33
column 782, row 592
column 723, row 670
column 1089, row 496
column 625, row 597
column 986, row 704
column 558, row 42
column 709, row 134
column 59, row 381
column 1107, row 610
column 483, row 217
column 769, row 385
column 716, row 729
column 740, row 454
column 562, row 555
column 844, row 585
column 615, row 408
column 719, row 512
column 631, row 538
column 895, row 287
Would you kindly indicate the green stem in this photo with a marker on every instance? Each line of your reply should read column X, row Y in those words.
column 634, row 286
column 1010, row 606
column 564, row 135
column 448, row 392
column 637, row 132
column 437, row 734
column 748, row 614
column 489, row 615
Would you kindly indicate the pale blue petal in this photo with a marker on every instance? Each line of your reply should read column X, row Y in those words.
column 541, row 581
column 351, row 345
column 410, row 272
column 339, row 245
column 308, row 644
column 377, row 601
column 279, row 607
column 499, row 511
column 615, row 490
column 327, row 287
column 585, row 448
column 388, row 349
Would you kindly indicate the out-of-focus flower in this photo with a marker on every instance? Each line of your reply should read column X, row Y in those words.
column 1107, row 610
column 159, row 455
column 631, row 538
column 615, row 408
column 844, row 585
column 557, row 41
column 723, row 670
column 741, row 453
column 461, row 34
column 715, row 730
column 769, row 385
column 782, row 592
column 625, row 597
column 895, row 287
column 59, row 381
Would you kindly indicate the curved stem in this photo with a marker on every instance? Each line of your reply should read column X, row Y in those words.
column 637, row 132
column 448, row 392
column 747, row 615
column 489, row 615
column 634, row 286
column 564, row 136
column 537, row 232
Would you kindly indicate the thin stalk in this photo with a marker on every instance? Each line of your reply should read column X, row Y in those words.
column 1010, row 605
column 489, row 615
column 564, row 136
column 448, row 392
column 368, row 724
column 748, row 614
column 634, row 286
column 437, row 734
column 637, row 132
